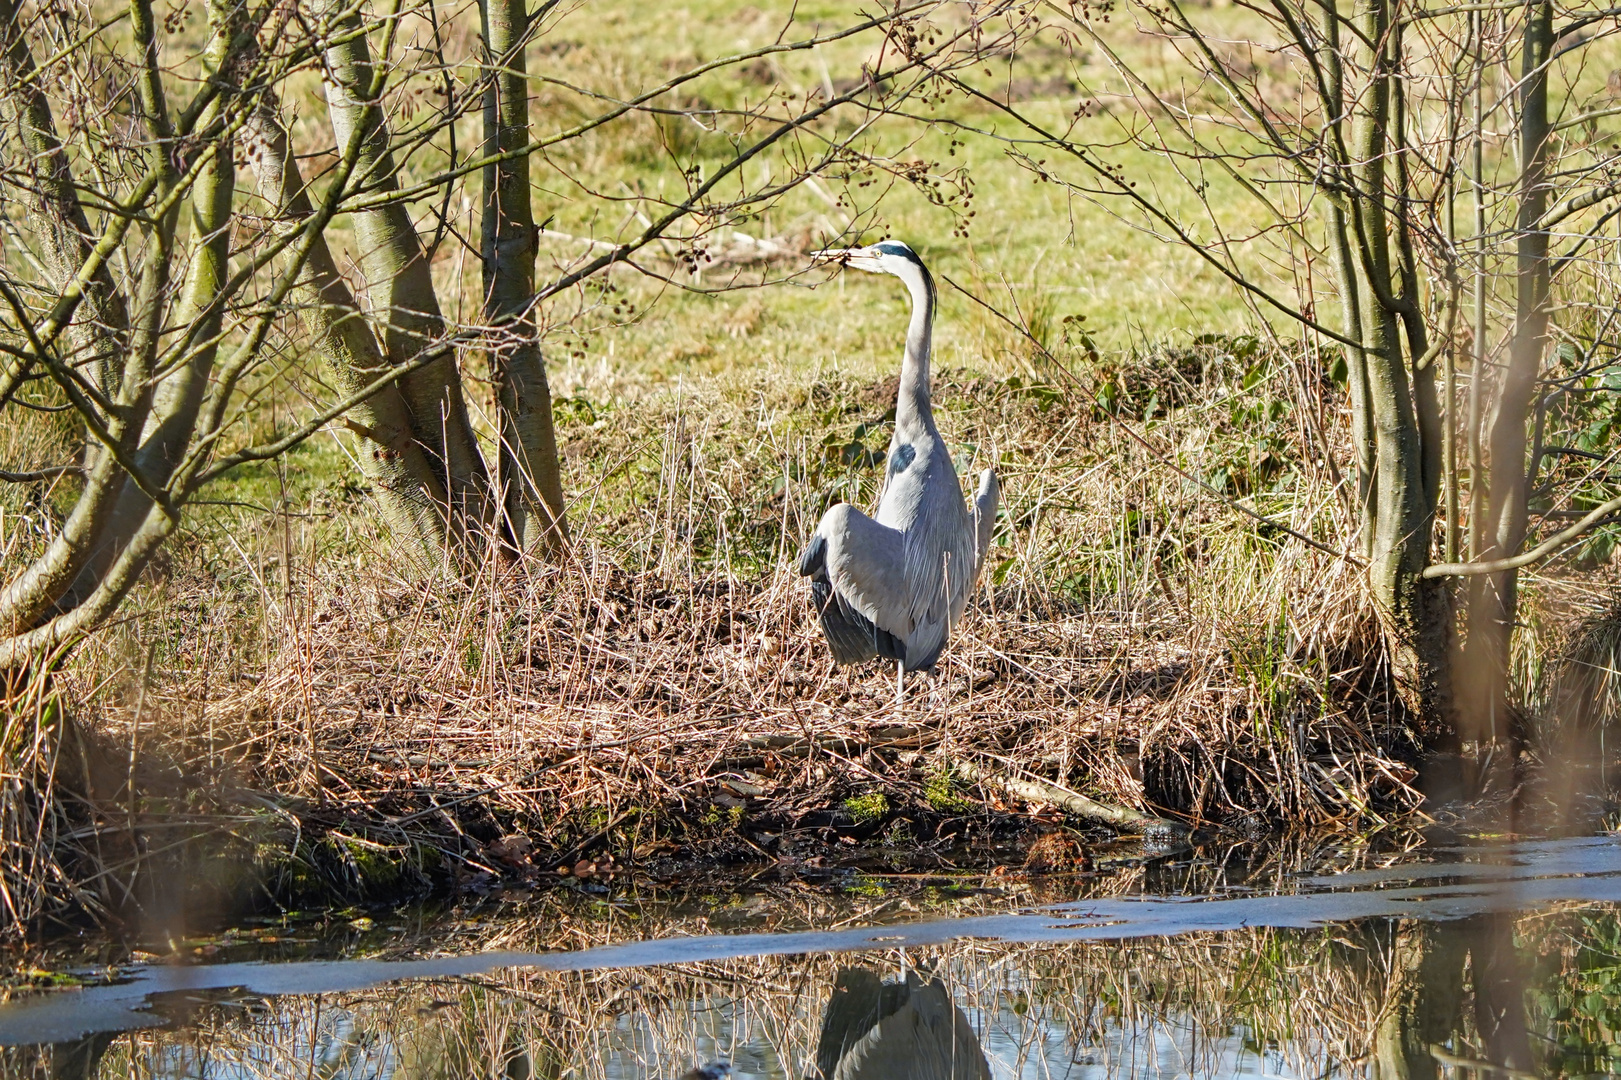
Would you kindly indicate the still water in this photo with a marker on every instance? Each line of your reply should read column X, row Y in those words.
column 1418, row 959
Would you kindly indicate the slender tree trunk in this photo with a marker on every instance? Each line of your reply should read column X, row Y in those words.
column 1493, row 599
column 1427, row 605
column 409, row 484
column 1356, row 371
column 1477, row 377
column 1406, row 469
column 528, row 474
column 1351, row 289
column 400, row 287
column 125, row 378
column 179, row 394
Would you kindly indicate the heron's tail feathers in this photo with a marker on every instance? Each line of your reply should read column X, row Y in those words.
column 986, row 501
column 851, row 636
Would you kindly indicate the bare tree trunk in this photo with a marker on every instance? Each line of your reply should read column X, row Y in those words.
column 1351, row 290
column 1406, row 469
column 179, row 394
column 1493, row 599
column 409, row 485
column 528, row 474
column 126, row 377
column 1477, row 376
column 99, row 332
column 400, row 286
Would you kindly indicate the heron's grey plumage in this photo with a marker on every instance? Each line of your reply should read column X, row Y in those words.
column 893, row 585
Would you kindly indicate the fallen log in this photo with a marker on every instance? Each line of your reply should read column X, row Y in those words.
column 1062, row 797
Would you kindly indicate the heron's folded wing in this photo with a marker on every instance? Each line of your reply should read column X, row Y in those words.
column 941, row 567
column 864, row 568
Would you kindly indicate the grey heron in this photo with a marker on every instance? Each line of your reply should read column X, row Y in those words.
column 908, row 1030
column 893, row 585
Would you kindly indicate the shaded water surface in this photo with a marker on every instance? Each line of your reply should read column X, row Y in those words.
column 1431, row 961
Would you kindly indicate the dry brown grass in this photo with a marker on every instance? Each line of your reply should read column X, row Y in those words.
column 665, row 688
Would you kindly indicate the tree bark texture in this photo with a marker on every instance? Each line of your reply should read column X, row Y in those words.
column 528, row 473
column 1351, row 290
column 409, row 484
column 1403, row 411
column 120, row 351
column 1494, row 598
column 178, row 396
column 400, row 288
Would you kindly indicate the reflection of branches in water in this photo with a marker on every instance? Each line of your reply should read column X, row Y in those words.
column 1389, row 998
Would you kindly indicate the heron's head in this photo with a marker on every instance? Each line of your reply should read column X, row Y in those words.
column 886, row 257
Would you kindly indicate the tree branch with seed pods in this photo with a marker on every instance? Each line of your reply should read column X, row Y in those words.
column 1424, row 159
column 180, row 295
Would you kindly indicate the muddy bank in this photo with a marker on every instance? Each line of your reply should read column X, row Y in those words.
column 201, row 852
column 142, row 842
column 161, row 847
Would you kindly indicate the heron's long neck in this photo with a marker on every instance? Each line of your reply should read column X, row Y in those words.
column 912, row 404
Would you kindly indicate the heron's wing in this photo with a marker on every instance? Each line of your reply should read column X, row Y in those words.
column 986, row 501
column 854, row 565
column 941, row 563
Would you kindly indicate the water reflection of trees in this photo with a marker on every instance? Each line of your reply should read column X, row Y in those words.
column 1532, row 994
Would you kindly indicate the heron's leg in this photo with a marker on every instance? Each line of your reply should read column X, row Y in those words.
column 900, row 681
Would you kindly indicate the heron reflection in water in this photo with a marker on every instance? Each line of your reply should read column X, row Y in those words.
column 905, row 1030
column 715, row 1070
column 876, row 1030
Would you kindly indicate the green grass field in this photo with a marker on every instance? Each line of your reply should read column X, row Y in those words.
column 1031, row 251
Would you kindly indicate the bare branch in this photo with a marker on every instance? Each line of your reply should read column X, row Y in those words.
column 1549, row 547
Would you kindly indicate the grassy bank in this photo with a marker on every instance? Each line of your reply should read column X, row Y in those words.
column 344, row 725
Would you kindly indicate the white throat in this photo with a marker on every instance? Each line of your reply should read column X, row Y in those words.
column 912, row 402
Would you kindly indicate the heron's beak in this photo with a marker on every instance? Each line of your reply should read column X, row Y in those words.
column 860, row 258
